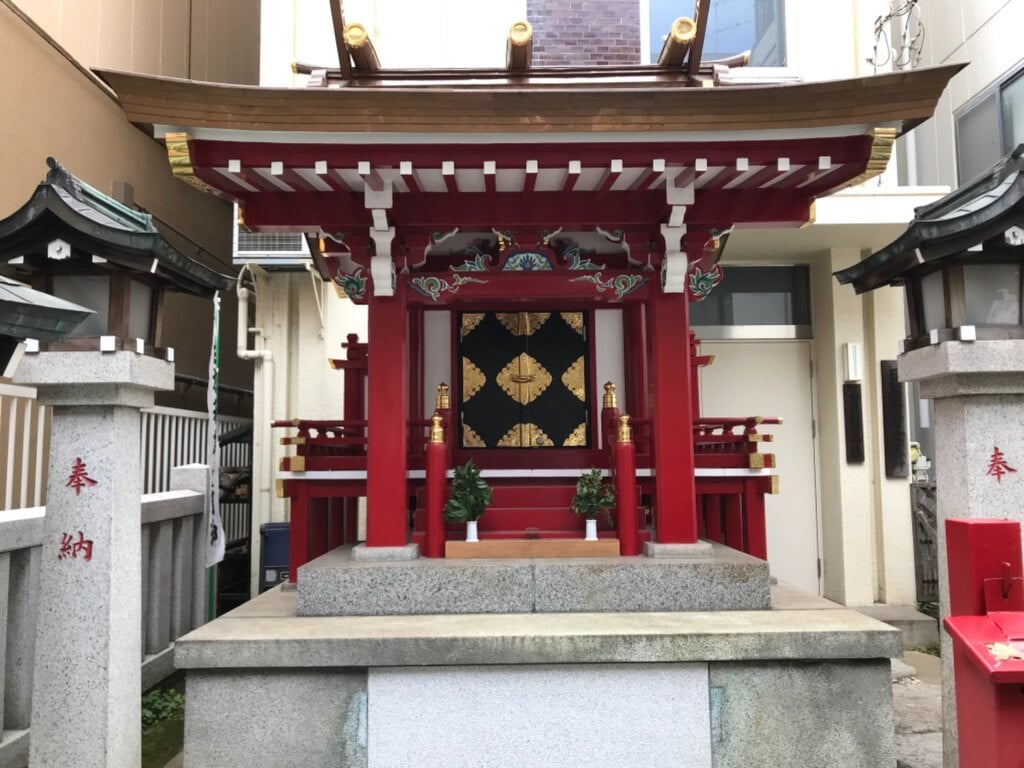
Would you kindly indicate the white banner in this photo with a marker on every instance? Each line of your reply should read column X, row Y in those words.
column 215, row 528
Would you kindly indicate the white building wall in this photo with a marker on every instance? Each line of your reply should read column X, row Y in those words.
column 985, row 33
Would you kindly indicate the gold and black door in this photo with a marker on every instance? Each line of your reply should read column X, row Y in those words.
column 524, row 380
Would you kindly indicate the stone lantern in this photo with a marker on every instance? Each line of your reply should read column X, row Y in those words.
column 88, row 249
column 960, row 262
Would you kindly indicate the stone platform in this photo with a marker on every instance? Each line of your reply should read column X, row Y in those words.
column 803, row 683
column 721, row 580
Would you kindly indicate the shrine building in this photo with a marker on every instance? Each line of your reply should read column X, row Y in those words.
column 530, row 244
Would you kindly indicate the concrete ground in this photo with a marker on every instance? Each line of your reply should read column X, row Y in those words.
column 916, row 699
column 916, row 696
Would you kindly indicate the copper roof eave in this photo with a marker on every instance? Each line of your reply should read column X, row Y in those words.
column 904, row 98
column 940, row 229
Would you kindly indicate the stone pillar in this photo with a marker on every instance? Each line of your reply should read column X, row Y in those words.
column 979, row 453
column 87, row 686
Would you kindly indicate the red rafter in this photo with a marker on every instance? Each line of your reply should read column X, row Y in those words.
column 254, row 179
column 450, row 182
column 571, row 176
column 290, row 177
column 530, row 177
column 541, row 210
column 610, row 176
column 755, row 180
column 799, row 176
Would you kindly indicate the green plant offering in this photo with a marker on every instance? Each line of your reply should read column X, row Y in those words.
column 593, row 496
column 470, row 495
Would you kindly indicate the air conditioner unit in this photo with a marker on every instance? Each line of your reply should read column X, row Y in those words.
column 269, row 249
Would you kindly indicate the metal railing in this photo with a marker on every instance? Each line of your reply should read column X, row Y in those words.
column 24, row 447
column 172, row 437
column 173, row 594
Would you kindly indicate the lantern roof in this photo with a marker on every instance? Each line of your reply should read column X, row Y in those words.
column 29, row 314
column 64, row 209
column 983, row 216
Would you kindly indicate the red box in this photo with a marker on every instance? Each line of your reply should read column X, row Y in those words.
column 986, row 584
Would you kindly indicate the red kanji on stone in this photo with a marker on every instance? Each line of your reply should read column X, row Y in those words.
column 69, row 547
column 997, row 466
column 79, row 478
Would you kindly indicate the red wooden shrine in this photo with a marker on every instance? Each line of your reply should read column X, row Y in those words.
column 518, row 209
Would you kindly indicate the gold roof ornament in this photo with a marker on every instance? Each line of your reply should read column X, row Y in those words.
column 610, row 401
column 443, row 401
column 625, row 430
column 436, row 429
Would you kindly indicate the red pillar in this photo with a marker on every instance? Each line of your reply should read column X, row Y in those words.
column 386, row 491
column 675, row 520
column 713, row 517
column 437, row 468
column 625, row 491
column 757, row 533
column 298, row 533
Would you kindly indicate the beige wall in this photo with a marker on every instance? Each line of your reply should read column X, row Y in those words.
column 52, row 108
column 215, row 40
column 866, row 543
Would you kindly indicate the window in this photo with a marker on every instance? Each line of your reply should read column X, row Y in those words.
column 990, row 127
column 756, row 302
column 734, row 26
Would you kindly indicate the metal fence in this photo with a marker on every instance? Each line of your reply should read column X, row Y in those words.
column 171, row 437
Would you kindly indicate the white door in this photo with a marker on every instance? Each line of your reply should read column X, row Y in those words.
column 772, row 378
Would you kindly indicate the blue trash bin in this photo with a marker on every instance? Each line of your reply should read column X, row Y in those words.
column 273, row 554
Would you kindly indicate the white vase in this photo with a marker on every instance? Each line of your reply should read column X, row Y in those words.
column 471, row 531
column 591, row 529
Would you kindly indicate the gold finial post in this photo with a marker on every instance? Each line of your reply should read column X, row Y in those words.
column 610, row 401
column 625, row 430
column 519, row 49
column 436, row 429
column 443, row 401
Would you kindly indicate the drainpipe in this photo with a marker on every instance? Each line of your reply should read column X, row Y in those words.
column 262, row 451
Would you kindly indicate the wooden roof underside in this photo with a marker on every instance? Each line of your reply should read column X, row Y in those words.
column 584, row 103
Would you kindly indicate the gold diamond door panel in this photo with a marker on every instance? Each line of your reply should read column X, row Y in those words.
column 524, row 380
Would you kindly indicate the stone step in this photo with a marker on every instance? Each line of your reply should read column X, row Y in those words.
column 338, row 585
column 918, row 628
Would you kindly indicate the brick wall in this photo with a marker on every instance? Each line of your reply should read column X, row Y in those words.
column 584, row 32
